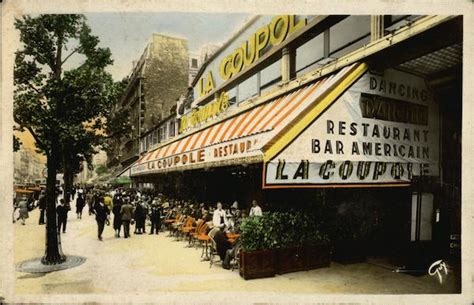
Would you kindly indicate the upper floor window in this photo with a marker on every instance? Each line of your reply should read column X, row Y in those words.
column 194, row 63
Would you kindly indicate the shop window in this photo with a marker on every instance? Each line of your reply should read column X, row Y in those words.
column 352, row 47
column 248, row 88
column 349, row 31
column 270, row 75
column 309, row 54
column 393, row 22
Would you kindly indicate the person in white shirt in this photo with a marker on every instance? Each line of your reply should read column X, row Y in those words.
column 255, row 210
column 219, row 219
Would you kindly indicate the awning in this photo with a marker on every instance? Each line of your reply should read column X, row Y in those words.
column 253, row 135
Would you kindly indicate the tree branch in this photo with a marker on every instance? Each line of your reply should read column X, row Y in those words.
column 67, row 57
column 37, row 139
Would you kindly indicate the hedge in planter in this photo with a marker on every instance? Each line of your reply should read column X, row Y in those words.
column 291, row 241
column 301, row 245
column 257, row 259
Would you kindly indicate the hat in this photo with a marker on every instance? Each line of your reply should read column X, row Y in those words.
column 235, row 205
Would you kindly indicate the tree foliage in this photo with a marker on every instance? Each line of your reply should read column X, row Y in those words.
column 62, row 102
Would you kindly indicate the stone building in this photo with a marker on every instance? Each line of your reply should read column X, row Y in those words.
column 158, row 78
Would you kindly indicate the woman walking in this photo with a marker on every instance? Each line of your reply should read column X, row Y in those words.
column 23, row 209
column 117, row 207
column 80, row 203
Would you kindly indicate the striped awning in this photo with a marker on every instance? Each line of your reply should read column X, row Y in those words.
column 242, row 136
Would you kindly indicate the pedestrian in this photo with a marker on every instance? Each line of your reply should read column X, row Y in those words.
column 126, row 212
column 73, row 192
column 108, row 201
column 117, row 206
column 23, row 209
column 139, row 216
column 62, row 210
column 101, row 216
column 89, row 200
column 155, row 217
column 42, row 208
column 80, row 203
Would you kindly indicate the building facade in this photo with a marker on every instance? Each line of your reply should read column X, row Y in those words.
column 360, row 115
column 157, row 79
column 28, row 165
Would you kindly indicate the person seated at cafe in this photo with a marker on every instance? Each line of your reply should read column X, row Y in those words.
column 219, row 218
column 231, row 253
column 222, row 243
column 256, row 210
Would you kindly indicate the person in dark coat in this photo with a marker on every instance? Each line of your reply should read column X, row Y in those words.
column 101, row 214
column 155, row 218
column 62, row 210
column 117, row 206
column 80, row 203
column 222, row 244
column 42, row 208
column 139, row 217
column 126, row 212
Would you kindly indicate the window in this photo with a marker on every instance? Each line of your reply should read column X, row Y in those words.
column 194, row 63
column 347, row 32
column 309, row 54
column 165, row 136
column 232, row 95
column 270, row 75
column 172, row 128
column 248, row 88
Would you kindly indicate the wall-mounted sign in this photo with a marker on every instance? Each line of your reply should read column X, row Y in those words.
column 254, row 47
column 239, row 148
column 384, row 129
column 201, row 115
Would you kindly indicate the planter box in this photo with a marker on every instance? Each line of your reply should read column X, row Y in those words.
column 290, row 260
column 302, row 258
column 317, row 256
column 257, row 264
column 350, row 251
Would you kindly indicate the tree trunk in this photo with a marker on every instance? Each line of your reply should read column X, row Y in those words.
column 53, row 253
column 67, row 180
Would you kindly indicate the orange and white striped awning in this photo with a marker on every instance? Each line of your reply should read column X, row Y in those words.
column 240, row 136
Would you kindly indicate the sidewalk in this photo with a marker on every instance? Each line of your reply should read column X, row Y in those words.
column 150, row 263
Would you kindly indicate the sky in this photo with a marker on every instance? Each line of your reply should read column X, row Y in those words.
column 126, row 34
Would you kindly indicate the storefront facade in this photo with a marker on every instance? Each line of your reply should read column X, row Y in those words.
column 348, row 111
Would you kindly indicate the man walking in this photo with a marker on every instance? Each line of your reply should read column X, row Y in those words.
column 62, row 210
column 155, row 217
column 127, row 212
column 101, row 212
column 42, row 207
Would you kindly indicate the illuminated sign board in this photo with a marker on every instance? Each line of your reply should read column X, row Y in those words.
column 248, row 51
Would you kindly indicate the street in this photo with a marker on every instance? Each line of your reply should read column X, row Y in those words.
column 151, row 264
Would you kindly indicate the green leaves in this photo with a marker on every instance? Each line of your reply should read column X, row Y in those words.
column 282, row 230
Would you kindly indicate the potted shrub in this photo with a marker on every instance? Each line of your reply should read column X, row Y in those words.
column 302, row 245
column 257, row 258
column 289, row 252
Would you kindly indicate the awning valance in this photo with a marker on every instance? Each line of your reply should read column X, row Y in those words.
column 248, row 136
